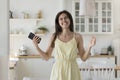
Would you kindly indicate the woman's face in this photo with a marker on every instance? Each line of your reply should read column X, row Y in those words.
column 64, row 21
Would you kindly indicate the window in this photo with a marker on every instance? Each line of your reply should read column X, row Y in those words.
column 99, row 24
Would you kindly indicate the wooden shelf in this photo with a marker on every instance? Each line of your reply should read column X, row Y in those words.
column 101, row 56
column 29, row 56
column 29, row 19
column 107, row 56
column 38, row 56
column 23, row 35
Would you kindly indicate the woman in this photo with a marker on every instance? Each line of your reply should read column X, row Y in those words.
column 67, row 45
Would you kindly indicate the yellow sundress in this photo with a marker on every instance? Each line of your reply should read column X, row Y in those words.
column 65, row 66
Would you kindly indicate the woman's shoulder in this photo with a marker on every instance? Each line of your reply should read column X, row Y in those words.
column 77, row 35
column 52, row 36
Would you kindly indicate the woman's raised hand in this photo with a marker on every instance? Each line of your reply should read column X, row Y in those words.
column 92, row 42
column 36, row 40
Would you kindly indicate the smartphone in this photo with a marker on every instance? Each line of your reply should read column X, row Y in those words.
column 31, row 35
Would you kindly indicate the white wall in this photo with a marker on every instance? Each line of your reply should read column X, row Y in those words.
column 50, row 9
column 3, row 40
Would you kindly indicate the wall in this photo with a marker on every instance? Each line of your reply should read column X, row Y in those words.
column 103, row 41
column 50, row 9
column 3, row 40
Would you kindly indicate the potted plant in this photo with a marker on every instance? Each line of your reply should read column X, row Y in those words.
column 109, row 49
column 42, row 30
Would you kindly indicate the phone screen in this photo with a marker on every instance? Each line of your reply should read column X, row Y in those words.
column 31, row 35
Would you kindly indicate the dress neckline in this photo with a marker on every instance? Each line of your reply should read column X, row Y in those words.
column 66, row 41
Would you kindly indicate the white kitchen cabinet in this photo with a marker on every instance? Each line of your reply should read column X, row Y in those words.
column 101, row 23
column 12, row 74
column 33, row 67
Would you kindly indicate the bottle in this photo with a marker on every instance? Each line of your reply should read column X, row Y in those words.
column 39, row 15
column 26, row 15
column 10, row 14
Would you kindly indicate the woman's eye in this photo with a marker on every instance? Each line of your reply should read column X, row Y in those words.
column 66, row 17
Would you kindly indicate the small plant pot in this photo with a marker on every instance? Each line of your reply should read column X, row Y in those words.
column 42, row 30
column 109, row 52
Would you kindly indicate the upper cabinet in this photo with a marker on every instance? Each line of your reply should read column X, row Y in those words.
column 102, row 23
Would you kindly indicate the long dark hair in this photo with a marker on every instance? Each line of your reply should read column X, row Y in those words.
column 58, row 28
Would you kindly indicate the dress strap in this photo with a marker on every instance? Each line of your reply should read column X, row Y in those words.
column 57, row 37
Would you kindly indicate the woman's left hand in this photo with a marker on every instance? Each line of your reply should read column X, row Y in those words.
column 92, row 42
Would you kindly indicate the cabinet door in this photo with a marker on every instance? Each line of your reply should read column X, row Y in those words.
column 34, row 68
column 101, row 23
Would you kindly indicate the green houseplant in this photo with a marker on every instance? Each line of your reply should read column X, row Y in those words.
column 42, row 30
column 109, row 49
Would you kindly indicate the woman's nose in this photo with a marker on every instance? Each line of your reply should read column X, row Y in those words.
column 64, row 19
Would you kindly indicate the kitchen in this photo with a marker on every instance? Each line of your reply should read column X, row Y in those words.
column 24, row 19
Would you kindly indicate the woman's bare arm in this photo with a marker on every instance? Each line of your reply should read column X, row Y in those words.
column 46, row 55
column 82, row 53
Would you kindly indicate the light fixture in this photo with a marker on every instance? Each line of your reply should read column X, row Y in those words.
column 87, row 8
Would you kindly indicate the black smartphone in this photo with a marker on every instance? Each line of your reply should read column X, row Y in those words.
column 31, row 35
